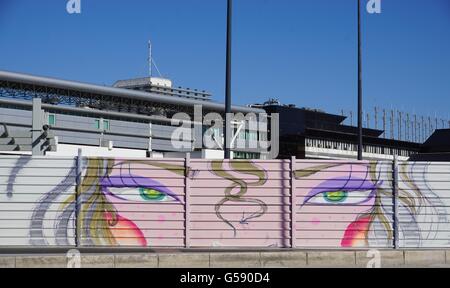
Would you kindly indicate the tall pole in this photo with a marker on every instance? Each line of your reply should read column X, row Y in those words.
column 150, row 59
column 360, row 115
column 227, row 132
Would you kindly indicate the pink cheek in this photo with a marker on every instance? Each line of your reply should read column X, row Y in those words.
column 315, row 221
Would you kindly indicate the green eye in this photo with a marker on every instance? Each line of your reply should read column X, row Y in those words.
column 335, row 196
column 151, row 194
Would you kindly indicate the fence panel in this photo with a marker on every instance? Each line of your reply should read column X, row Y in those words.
column 129, row 202
column 342, row 204
column 240, row 203
column 35, row 201
column 424, row 204
column 234, row 204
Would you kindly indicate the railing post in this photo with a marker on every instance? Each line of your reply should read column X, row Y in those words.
column 293, row 206
column 395, row 202
column 78, row 172
column 187, row 206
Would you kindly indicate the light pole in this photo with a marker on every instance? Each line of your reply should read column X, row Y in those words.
column 360, row 115
column 227, row 132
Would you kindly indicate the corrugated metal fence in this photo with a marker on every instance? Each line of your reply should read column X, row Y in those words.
column 92, row 202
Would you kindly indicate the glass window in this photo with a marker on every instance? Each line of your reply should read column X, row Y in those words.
column 105, row 124
column 241, row 135
column 97, row 123
column 51, row 119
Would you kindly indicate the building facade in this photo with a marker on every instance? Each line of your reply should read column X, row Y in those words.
column 136, row 118
column 314, row 134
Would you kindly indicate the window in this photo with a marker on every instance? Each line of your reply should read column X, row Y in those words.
column 245, row 155
column 51, row 119
column 102, row 124
column 241, row 135
column 105, row 124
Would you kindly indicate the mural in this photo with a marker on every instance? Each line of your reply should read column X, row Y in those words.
column 141, row 203
column 345, row 205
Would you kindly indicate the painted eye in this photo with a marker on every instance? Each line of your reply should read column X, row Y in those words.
column 141, row 194
column 341, row 197
column 152, row 194
column 335, row 196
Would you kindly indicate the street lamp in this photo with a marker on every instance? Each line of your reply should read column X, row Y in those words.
column 360, row 114
column 227, row 132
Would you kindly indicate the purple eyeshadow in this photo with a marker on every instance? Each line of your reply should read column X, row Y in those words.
column 342, row 183
column 126, row 180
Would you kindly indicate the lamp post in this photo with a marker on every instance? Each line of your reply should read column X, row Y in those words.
column 360, row 115
column 227, row 132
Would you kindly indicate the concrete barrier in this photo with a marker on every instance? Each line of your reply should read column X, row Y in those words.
column 424, row 258
column 387, row 259
column 184, row 260
column 136, row 261
column 237, row 260
column 335, row 259
column 41, row 261
column 266, row 259
column 7, row 262
column 283, row 259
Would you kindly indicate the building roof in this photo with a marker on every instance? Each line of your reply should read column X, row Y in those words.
column 439, row 141
column 117, row 92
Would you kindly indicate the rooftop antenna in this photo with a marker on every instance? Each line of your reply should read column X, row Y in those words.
column 376, row 117
column 408, row 127
column 423, row 129
column 436, row 122
column 430, row 127
column 415, row 128
column 368, row 120
column 151, row 62
column 391, row 120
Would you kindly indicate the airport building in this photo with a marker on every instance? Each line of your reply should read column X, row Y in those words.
column 133, row 118
column 314, row 134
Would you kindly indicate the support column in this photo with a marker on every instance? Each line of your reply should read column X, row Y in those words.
column 187, row 198
column 395, row 201
column 79, row 169
column 293, row 206
column 36, row 130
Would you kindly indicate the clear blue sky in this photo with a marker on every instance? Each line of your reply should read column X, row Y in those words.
column 299, row 51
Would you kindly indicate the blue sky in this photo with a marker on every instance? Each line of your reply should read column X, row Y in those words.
column 299, row 51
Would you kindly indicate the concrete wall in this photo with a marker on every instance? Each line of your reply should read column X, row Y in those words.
column 274, row 259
